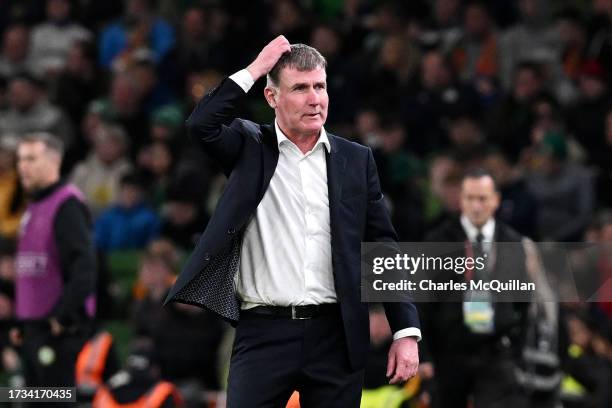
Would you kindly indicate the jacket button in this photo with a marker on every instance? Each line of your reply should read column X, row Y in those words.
column 207, row 257
column 231, row 231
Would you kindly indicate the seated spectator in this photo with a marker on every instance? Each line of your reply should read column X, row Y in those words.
column 184, row 218
column 573, row 35
column 80, row 82
column 12, row 202
column 98, row 176
column 130, row 223
column 124, row 104
column 166, row 122
column 139, row 27
column 564, row 191
column 204, row 41
column 29, row 110
column 401, row 174
column 438, row 97
column 531, row 39
column 515, row 111
column 186, row 337
column 154, row 89
column 51, row 40
column 157, row 163
column 14, row 56
column 467, row 141
column 443, row 190
column 477, row 52
column 518, row 207
column 584, row 119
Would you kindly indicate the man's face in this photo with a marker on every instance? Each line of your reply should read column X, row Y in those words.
column 37, row 165
column 21, row 94
column 129, row 196
column 526, row 84
column 58, row 10
column 300, row 101
column 479, row 200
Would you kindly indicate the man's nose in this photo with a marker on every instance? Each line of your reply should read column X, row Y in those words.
column 313, row 97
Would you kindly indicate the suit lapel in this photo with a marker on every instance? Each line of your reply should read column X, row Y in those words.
column 269, row 158
column 336, row 163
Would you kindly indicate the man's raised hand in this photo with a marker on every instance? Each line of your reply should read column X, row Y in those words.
column 268, row 57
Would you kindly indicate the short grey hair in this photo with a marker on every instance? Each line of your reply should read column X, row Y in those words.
column 301, row 57
column 50, row 141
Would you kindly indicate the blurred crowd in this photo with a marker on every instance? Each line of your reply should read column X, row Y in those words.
column 434, row 87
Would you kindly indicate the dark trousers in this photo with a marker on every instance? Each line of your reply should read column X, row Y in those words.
column 49, row 360
column 274, row 356
column 487, row 378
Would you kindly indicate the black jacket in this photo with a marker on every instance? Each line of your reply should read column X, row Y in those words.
column 248, row 154
column 444, row 332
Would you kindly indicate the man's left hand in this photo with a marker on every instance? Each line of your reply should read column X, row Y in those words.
column 403, row 360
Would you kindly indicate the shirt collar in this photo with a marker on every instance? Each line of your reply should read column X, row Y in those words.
column 281, row 138
column 44, row 192
column 471, row 231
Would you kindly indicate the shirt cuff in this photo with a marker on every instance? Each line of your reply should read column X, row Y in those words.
column 409, row 332
column 244, row 79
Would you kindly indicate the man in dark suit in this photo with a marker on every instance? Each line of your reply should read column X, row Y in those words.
column 471, row 347
column 280, row 257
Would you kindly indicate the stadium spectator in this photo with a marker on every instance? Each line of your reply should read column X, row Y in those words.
column 138, row 28
column 99, row 175
column 15, row 45
column 476, row 54
column 518, row 207
column 184, row 218
column 564, row 191
column 532, row 40
column 30, row 111
column 584, row 119
column 51, row 40
column 129, row 223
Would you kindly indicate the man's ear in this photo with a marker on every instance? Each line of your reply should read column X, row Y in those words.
column 270, row 94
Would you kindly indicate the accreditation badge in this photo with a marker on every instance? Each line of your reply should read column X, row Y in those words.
column 478, row 312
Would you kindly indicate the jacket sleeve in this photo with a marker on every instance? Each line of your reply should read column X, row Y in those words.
column 77, row 259
column 401, row 315
column 212, row 123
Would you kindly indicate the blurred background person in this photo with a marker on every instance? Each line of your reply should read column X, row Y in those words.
column 55, row 267
column 129, row 223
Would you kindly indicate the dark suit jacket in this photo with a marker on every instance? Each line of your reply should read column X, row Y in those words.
column 444, row 332
column 248, row 154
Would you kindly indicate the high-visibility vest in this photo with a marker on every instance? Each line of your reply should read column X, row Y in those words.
column 571, row 389
column 388, row 396
column 92, row 360
column 294, row 401
column 154, row 398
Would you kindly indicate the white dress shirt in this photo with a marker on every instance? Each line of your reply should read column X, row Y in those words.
column 286, row 250
column 487, row 231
